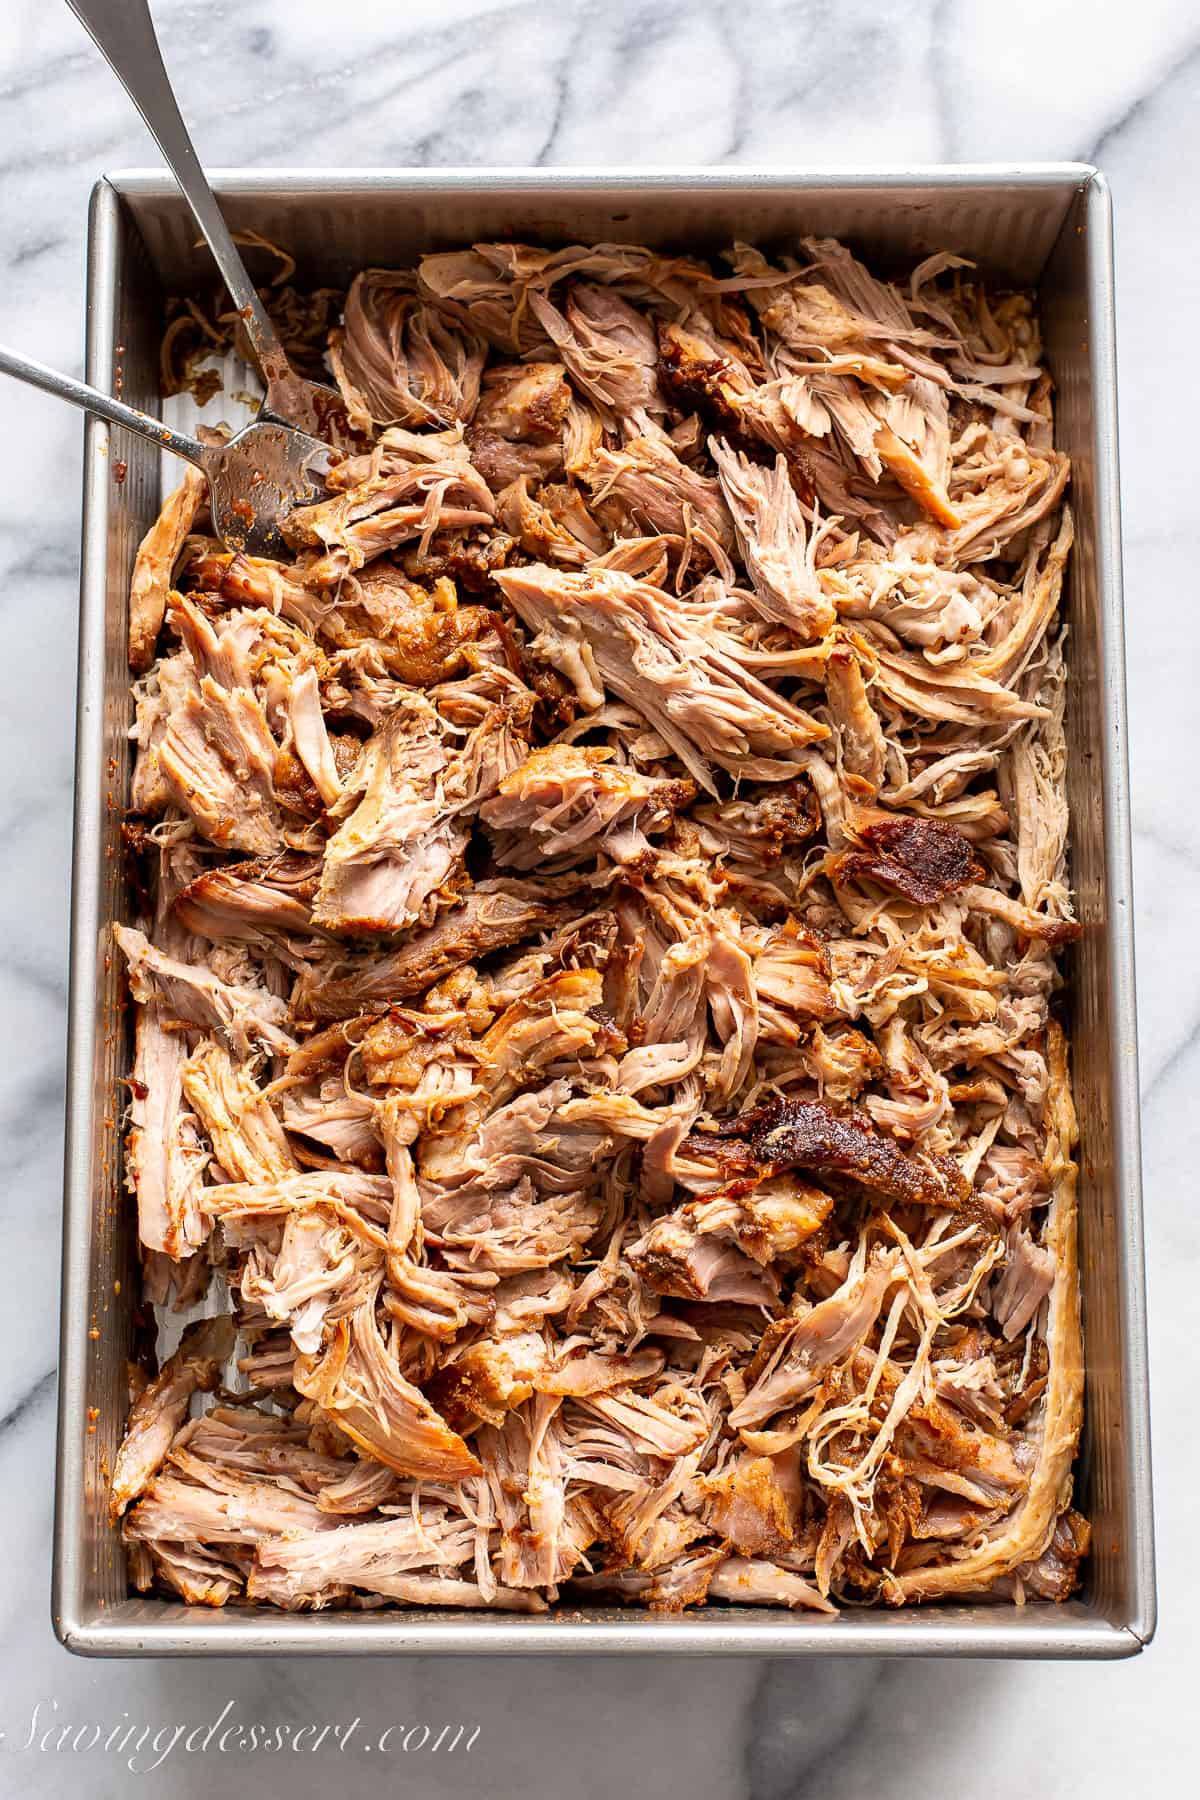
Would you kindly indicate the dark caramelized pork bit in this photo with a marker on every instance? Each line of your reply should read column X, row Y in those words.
column 698, row 377
column 469, row 558
column 923, row 859
column 806, row 1134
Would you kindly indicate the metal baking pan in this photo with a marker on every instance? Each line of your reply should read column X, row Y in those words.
column 1048, row 224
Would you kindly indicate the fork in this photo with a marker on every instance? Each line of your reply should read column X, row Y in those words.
column 254, row 479
column 123, row 32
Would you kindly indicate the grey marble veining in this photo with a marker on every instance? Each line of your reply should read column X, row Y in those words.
column 482, row 81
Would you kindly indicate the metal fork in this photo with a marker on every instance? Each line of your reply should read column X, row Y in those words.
column 123, row 31
column 254, row 480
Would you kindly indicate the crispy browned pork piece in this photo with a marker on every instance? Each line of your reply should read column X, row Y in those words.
column 595, row 1005
column 808, row 1134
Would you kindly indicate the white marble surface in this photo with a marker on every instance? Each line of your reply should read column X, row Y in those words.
column 589, row 81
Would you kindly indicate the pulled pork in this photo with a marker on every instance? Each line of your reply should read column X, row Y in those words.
column 594, row 1006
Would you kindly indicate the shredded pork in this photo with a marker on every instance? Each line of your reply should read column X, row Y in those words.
column 595, row 1005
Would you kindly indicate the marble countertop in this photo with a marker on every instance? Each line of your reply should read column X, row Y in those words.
column 495, row 81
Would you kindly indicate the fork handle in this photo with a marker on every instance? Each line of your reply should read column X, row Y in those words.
column 123, row 31
column 65, row 387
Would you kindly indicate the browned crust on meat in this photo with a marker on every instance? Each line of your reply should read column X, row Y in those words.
column 807, row 1134
column 922, row 859
column 788, row 816
column 1059, row 932
column 695, row 378
column 469, row 557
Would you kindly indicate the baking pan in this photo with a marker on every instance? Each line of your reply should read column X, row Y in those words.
column 1047, row 224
